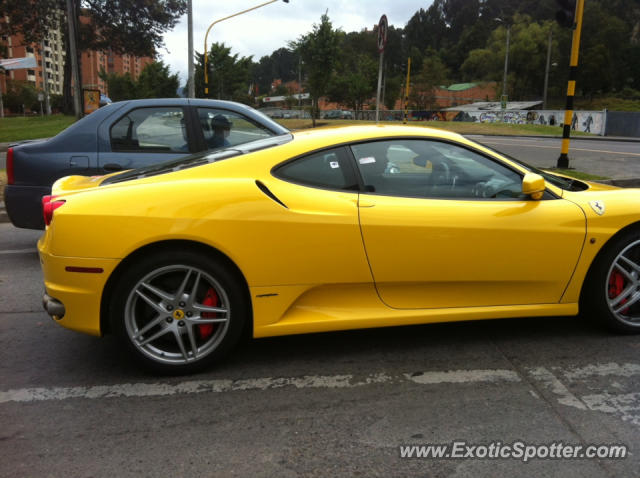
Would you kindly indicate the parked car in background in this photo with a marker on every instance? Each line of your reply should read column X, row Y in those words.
column 125, row 135
column 338, row 114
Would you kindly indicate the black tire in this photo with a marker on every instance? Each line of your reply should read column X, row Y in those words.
column 171, row 295
column 613, row 282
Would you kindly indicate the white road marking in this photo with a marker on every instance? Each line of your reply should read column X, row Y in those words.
column 222, row 385
column 464, row 376
column 18, row 251
column 603, row 370
column 624, row 405
column 528, row 145
column 565, row 397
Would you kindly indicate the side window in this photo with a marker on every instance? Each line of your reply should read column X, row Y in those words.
column 325, row 169
column 222, row 128
column 420, row 168
column 151, row 129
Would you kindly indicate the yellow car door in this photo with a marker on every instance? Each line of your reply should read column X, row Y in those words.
column 445, row 226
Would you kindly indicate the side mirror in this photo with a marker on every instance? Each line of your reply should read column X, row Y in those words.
column 533, row 185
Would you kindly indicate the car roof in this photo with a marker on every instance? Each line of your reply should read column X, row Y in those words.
column 321, row 137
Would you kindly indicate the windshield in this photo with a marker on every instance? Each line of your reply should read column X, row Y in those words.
column 568, row 184
column 198, row 159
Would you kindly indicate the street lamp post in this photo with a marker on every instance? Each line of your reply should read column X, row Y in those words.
column 546, row 72
column 191, row 87
column 206, row 36
column 503, row 100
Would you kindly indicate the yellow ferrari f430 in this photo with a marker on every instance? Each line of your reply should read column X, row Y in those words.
column 332, row 229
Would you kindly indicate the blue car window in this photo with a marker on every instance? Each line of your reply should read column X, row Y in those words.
column 223, row 128
column 151, row 130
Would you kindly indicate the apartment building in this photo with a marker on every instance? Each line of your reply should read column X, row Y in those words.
column 50, row 58
column 49, row 55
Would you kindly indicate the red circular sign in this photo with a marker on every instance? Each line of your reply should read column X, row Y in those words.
column 383, row 27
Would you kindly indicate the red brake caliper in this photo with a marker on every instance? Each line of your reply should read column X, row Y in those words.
column 616, row 286
column 211, row 300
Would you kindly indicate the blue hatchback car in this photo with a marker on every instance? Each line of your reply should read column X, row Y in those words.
column 125, row 135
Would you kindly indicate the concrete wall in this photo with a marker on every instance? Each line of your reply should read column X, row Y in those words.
column 586, row 121
column 623, row 123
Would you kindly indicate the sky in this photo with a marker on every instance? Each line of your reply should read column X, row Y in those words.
column 266, row 29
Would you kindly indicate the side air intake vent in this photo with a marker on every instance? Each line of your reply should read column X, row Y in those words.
column 269, row 194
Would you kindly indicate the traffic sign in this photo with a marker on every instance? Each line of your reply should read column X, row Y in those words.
column 383, row 27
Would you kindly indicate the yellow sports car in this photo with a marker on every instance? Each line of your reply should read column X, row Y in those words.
column 332, row 229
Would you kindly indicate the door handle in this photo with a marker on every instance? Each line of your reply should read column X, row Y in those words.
column 112, row 167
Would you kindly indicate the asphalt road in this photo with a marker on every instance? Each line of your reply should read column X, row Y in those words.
column 607, row 158
column 338, row 404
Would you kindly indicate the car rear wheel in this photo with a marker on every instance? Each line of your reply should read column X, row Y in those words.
column 612, row 294
column 179, row 311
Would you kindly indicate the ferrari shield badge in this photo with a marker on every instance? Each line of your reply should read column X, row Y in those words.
column 597, row 206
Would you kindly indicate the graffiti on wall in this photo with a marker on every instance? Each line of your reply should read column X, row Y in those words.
column 586, row 121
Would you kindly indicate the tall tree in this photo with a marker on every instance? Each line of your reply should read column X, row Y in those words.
column 123, row 26
column 154, row 81
column 229, row 75
column 319, row 51
column 425, row 83
column 354, row 82
column 121, row 87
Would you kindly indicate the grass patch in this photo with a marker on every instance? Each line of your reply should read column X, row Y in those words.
column 3, row 181
column 455, row 126
column 576, row 174
column 32, row 127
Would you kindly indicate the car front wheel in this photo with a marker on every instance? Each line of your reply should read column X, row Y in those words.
column 612, row 294
column 179, row 311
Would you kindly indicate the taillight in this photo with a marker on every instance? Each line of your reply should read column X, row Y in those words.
column 50, row 204
column 10, row 178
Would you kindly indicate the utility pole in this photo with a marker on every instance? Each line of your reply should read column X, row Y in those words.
column 383, row 28
column 75, row 73
column 503, row 100
column 2, row 70
column 546, row 73
column 406, row 92
column 191, row 87
column 299, row 81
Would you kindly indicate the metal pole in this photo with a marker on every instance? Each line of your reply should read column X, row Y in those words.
column 47, row 106
column 379, row 87
column 75, row 73
column 546, row 73
column 206, row 36
column 406, row 92
column 299, row 81
column 504, row 77
column 563, row 160
column 384, row 80
column 2, row 70
column 191, row 87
